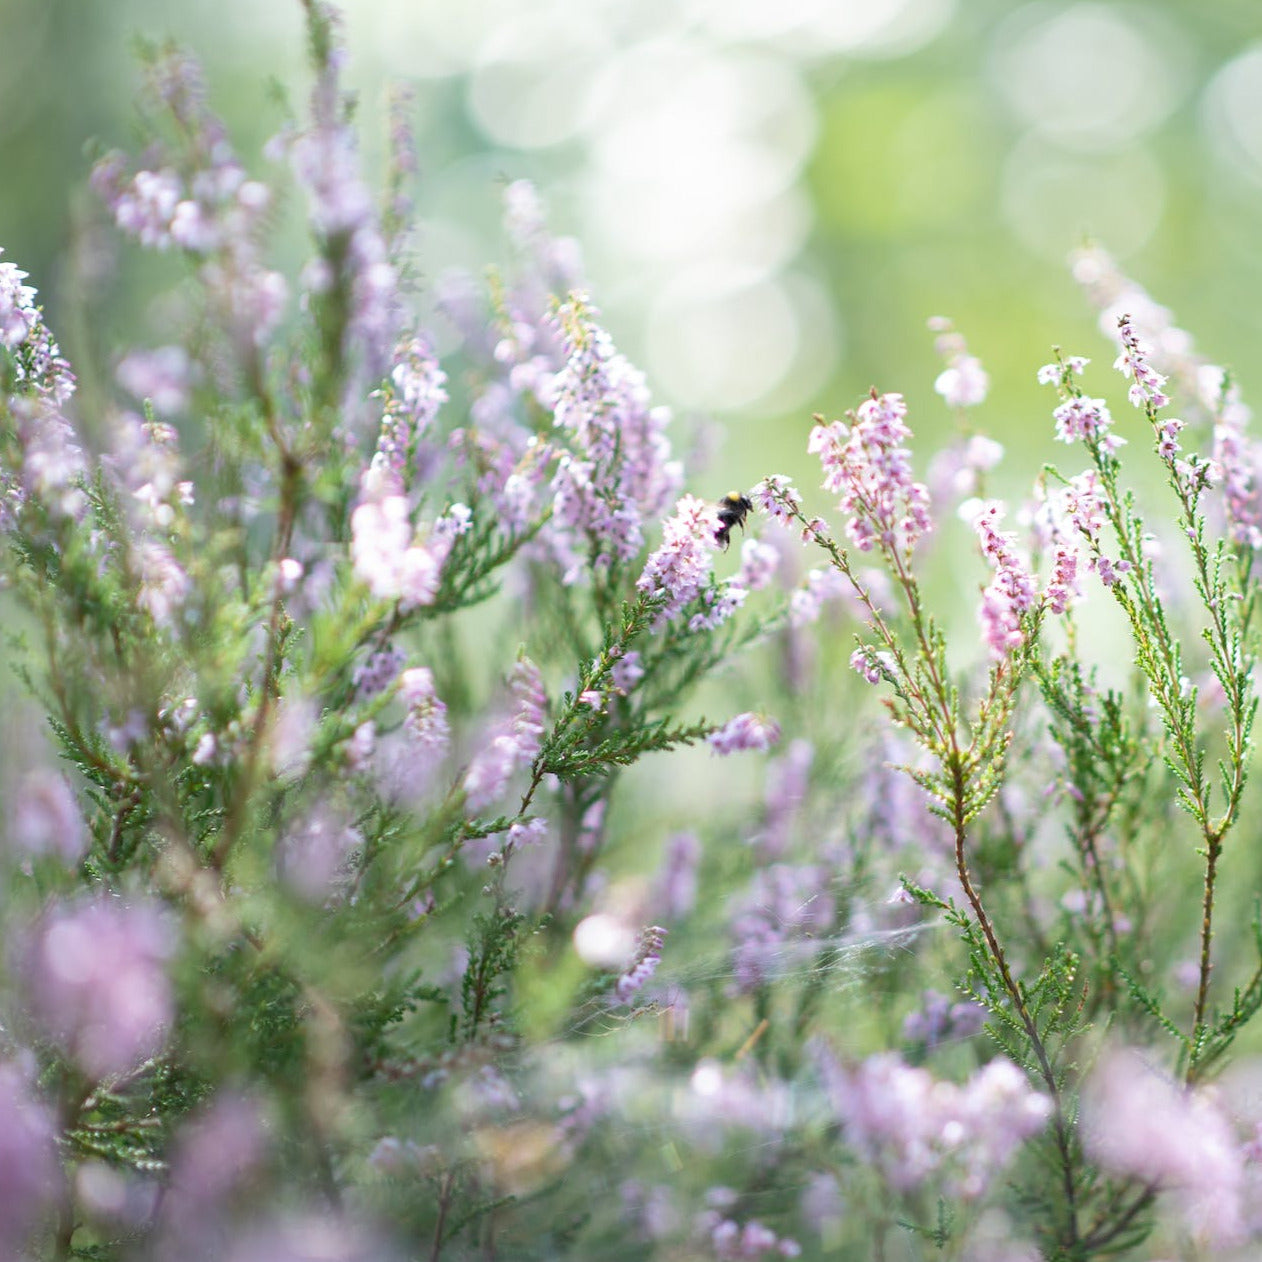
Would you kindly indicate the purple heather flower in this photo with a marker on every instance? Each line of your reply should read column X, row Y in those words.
column 385, row 553
column 806, row 603
column 785, row 914
column 677, row 570
column 30, row 1172
column 787, row 781
column 1137, row 1122
column 618, row 470
column 730, row 1241
column 873, row 664
column 675, row 886
column 870, row 467
column 95, row 977
column 164, row 583
column 314, row 858
column 213, row 1156
column 411, row 404
column 1168, row 439
column 378, row 671
column 1012, row 592
column 939, row 1019
column 514, row 744
column 745, row 731
column 1064, row 586
column 1133, row 363
column 45, row 818
column 626, row 672
column 913, row 1127
column 1087, row 420
column 775, row 496
column 426, row 721
column 314, row 1235
column 162, row 376
column 759, row 563
column 638, row 972
column 718, row 605
column 1238, row 457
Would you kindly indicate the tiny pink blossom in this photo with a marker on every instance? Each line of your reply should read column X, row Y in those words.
column 776, row 496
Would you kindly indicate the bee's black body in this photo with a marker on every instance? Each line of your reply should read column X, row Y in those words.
column 733, row 509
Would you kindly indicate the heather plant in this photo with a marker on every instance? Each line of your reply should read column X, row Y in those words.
column 348, row 909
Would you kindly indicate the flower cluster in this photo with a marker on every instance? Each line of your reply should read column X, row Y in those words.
column 916, row 1128
column 869, row 466
column 1012, row 593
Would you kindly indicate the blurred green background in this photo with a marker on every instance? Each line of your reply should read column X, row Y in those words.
column 772, row 195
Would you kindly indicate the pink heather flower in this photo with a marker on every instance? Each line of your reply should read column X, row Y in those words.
column 214, row 1155
column 378, row 671
column 1109, row 571
column 806, row 603
column 914, row 1128
column 384, row 552
column 145, row 208
column 787, row 908
column 775, row 496
column 40, row 368
column 44, row 818
column 530, row 717
column 1060, row 374
column 1146, row 382
column 675, row 886
column 1064, row 587
column 1080, row 419
column 162, row 376
column 426, row 720
column 164, row 583
column 759, row 563
column 1237, row 456
column 964, row 383
column 643, row 965
column 1168, row 439
column 618, row 469
column 676, row 571
column 1137, row 1122
column 745, row 731
column 731, row 1241
column 412, row 404
column 626, row 672
column 1013, row 590
column 30, row 1172
column 956, row 473
column 871, row 664
column 720, row 604
column 870, row 468
column 1084, row 504
column 314, row 858
column 512, row 746
column 95, row 978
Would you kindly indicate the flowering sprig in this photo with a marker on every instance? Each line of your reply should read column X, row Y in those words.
column 1158, row 651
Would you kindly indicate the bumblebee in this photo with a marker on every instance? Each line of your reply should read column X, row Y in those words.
column 733, row 509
